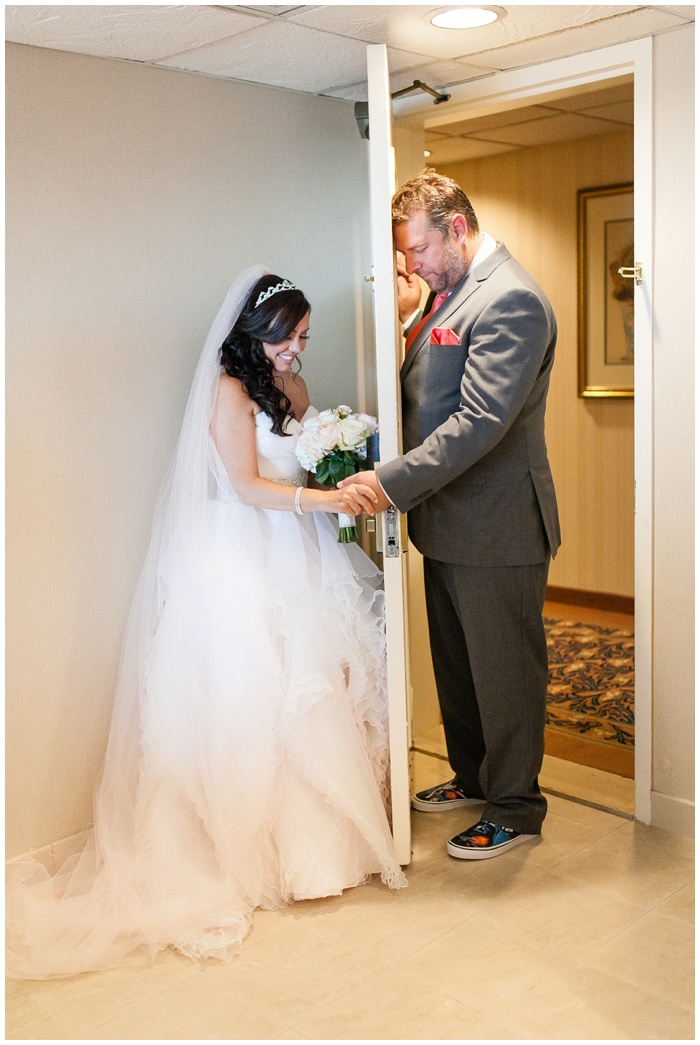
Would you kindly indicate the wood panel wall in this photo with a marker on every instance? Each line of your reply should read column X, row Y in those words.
column 528, row 199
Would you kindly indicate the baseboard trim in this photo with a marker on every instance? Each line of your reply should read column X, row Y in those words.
column 673, row 814
column 55, row 853
column 597, row 600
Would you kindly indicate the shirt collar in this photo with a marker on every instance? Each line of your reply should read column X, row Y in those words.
column 485, row 250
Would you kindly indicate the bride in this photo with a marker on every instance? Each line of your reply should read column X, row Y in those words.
column 248, row 753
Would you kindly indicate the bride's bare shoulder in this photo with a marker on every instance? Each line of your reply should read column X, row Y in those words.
column 233, row 392
column 232, row 399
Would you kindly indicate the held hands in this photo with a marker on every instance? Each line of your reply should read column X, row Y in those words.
column 354, row 500
column 363, row 481
column 408, row 291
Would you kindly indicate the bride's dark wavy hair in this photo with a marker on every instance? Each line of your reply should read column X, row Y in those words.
column 242, row 353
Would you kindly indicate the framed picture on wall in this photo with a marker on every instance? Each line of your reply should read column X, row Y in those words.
column 605, row 298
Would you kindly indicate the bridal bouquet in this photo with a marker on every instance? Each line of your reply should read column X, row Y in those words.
column 333, row 446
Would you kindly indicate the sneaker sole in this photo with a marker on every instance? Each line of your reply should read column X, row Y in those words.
column 440, row 807
column 486, row 854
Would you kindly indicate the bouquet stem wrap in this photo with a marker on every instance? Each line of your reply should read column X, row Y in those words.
column 347, row 532
column 333, row 446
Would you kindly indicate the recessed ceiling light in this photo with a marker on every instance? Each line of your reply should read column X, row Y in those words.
column 466, row 17
column 426, row 153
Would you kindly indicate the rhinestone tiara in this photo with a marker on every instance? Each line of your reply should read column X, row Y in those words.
column 265, row 294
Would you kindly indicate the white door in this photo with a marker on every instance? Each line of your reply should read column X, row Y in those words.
column 392, row 540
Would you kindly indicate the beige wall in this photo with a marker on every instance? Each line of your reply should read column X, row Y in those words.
column 528, row 199
column 131, row 204
column 674, row 439
column 134, row 196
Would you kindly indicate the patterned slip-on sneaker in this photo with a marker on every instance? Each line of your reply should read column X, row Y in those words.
column 485, row 840
column 444, row 796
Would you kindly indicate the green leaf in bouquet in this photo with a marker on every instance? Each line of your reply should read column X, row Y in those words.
column 323, row 472
column 351, row 463
column 339, row 465
column 336, row 468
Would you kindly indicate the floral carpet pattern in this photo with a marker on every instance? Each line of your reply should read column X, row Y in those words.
column 591, row 681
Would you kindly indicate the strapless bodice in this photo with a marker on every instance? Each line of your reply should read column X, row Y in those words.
column 277, row 459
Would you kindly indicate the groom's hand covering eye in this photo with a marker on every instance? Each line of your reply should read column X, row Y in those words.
column 408, row 290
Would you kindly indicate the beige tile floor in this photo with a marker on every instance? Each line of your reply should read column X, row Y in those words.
column 559, row 776
column 585, row 934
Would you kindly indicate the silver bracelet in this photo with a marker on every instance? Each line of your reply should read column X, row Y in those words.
column 297, row 501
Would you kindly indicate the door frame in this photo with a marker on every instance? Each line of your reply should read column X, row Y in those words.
column 513, row 89
column 382, row 178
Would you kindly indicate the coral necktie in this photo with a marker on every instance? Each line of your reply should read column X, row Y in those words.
column 413, row 334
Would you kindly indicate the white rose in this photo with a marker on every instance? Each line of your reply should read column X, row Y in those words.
column 327, row 415
column 308, row 452
column 352, row 430
column 329, row 435
column 306, row 461
column 370, row 423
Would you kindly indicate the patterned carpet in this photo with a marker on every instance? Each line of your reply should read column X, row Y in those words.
column 591, row 683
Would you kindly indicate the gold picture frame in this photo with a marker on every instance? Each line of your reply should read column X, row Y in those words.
column 605, row 299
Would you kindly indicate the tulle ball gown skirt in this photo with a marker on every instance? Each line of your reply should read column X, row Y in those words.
column 248, row 758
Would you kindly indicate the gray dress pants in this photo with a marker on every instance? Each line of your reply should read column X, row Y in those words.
column 489, row 655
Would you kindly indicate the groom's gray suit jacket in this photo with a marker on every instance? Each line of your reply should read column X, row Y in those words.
column 474, row 477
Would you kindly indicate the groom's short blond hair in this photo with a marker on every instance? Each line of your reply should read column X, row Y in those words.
column 438, row 196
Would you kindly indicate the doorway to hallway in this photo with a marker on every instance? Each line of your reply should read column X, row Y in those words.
column 481, row 100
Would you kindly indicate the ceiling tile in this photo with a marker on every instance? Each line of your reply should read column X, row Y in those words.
column 408, row 26
column 400, row 26
column 564, row 127
column 451, row 150
column 623, row 92
column 281, row 54
column 435, row 136
column 531, row 125
column 499, row 119
column 321, row 49
column 140, row 33
column 620, row 112
column 352, row 92
column 611, row 30
column 687, row 11
column 269, row 10
column 434, row 74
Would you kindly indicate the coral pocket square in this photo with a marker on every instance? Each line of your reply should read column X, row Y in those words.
column 444, row 336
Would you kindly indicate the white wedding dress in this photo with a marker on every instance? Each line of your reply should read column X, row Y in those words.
column 260, row 761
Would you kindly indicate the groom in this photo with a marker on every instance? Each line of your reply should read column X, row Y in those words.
column 476, row 483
